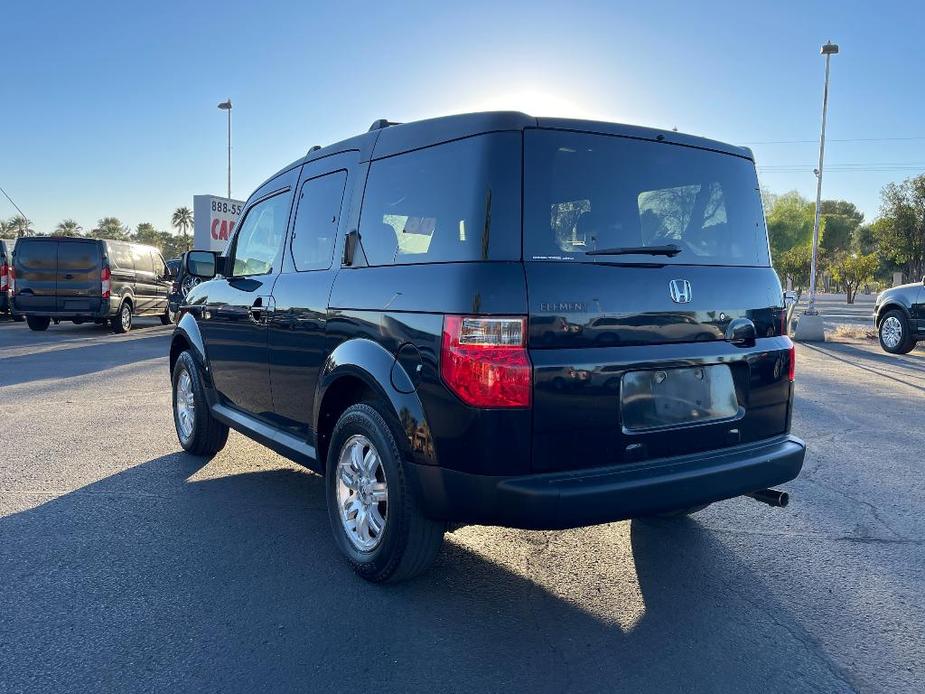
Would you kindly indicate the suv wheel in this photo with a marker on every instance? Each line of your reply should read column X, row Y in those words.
column 895, row 335
column 38, row 323
column 168, row 317
column 198, row 431
column 122, row 321
column 375, row 518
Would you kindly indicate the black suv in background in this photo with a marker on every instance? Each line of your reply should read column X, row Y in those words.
column 62, row 278
column 899, row 315
column 6, row 261
column 497, row 319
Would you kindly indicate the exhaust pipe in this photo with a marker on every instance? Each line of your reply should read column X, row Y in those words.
column 771, row 497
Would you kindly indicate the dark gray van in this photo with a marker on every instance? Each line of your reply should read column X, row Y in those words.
column 85, row 280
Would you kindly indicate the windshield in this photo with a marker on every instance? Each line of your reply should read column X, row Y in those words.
column 589, row 197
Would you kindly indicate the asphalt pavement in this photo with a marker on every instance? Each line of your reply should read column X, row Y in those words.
column 127, row 565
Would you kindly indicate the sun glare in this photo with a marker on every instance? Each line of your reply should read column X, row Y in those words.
column 538, row 102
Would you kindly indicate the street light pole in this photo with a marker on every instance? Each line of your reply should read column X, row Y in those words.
column 226, row 106
column 828, row 50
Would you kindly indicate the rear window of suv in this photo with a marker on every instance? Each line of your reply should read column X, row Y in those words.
column 586, row 192
column 458, row 201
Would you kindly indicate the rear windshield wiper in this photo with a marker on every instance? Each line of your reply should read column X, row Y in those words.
column 670, row 250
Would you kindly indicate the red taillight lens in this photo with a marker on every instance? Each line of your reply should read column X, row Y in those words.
column 792, row 371
column 4, row 277
column 12, row 272
column 485, row 362
column 105, row 282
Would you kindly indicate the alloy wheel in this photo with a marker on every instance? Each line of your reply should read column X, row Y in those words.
column 362, row 493
column 892, row 332
column 185, row 405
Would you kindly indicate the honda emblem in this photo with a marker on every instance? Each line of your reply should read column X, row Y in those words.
column 680, row 291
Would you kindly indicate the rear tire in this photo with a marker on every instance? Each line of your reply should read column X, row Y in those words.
column 38, row 323
column 895, row 333
column 197, row 430
column 122, row 321
column 407, row 542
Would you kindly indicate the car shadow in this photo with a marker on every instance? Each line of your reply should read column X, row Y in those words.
column 80, row 360
column 165, row 578
column 888, row 366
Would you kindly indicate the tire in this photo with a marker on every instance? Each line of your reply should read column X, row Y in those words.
column 167, row 318
column 122, row 321
column 204, row 435
column 38, row 323
column 407, row 542
column 895, row 333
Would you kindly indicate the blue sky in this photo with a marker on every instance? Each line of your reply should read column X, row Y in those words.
column 110, row 108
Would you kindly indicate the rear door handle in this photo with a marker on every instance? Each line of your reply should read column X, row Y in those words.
column 262, row 308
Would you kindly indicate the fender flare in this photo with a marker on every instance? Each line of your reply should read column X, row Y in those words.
column 186, row 336
column 379, row 369
column 890, row 305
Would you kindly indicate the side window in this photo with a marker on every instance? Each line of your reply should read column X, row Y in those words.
column 120, row 257
column 456, row 201
column 142, row 259
column 260, row 236
column 160, row 267
column 316, row 221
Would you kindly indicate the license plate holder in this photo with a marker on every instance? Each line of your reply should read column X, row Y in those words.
column 677, row 397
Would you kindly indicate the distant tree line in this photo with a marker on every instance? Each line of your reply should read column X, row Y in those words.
column 168, row 243
column 852, row 254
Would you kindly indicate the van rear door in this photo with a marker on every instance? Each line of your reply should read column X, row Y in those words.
column 78, row 276
column 35, row 262
column 654, row 313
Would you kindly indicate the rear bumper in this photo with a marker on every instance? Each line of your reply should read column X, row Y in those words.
column 106, row 309
column 602, row 495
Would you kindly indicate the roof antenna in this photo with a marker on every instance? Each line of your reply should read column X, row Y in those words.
column 314, row 148
column 382, row 123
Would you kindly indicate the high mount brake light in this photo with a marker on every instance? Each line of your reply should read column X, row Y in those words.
column 105, row 282
column 485, row 361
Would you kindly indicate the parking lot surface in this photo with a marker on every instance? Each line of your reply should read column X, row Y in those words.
column 127, row 565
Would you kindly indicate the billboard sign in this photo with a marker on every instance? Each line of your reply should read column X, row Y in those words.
column 214, row 220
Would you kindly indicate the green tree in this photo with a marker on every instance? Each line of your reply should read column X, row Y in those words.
column 173, row 245
column 182, row 220
column 790, row 222
column 841, row 219
column 67, row 227
column 20, row 226
column 796, row 263
column 851, row 270
column 147, row 234
column 900, row 230
column 111, row 228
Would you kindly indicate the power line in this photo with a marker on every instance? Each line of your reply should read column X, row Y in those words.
column 847, row 139
column 22, row 214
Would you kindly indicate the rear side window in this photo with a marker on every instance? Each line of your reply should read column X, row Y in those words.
column 586, row 193
column 316, row 221
column 120, row 257
column 458, row 201
column 142, row 259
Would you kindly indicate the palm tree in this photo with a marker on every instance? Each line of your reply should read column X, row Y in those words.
column 20, row 226
column 182, row 220
column 5, row 227
column 67, row 227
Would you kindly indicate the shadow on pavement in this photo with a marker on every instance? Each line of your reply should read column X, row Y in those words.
column 71, row 361
column 889, row 366
column 148, row 581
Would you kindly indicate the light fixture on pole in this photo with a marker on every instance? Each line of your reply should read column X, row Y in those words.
column 226, row 106
column 810, row 327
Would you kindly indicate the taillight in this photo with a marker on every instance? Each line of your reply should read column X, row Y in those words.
column 12, row 272
column 4, row 277
column 792, row 371
column 485, row 362
column 105, row 283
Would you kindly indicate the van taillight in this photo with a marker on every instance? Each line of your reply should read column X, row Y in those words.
column 12, row 274
column 105, row 282
column 4, row 277
column 792, row 371
column 485, row 362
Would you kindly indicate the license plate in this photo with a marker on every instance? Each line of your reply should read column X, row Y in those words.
column 665, row 398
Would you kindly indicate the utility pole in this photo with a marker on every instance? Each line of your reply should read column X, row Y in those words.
column 226, row 106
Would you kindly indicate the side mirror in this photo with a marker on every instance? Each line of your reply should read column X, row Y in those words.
column 790, row 298
column 201, row 264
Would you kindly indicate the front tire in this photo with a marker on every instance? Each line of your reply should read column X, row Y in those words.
column 38, row 323
column 375, row 517
column 122, row 321
column 895, row 333
column 197, row 430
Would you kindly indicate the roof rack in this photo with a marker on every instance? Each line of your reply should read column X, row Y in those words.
column 382, row 123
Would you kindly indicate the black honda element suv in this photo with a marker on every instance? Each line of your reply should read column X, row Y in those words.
column 497, row 319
